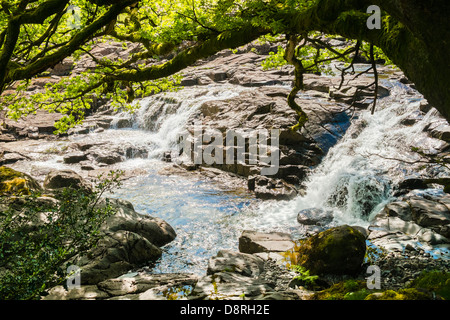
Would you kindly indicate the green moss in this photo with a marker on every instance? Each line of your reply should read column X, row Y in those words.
column 345, row 290
column 402, row 294
column 434, row 281
column 338, row 250
column 15, row 182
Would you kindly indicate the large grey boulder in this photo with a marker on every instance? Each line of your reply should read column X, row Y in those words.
column 154, row 229
column 128, row 240
column 115, row 254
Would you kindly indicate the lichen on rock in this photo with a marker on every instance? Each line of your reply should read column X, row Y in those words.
column 17, row 183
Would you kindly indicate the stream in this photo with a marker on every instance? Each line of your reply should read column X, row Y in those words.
column 353, row 181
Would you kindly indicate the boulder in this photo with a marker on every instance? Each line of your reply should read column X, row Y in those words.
column 412, row 183
column 114, row 255
column 59, row 179
column 339, row 250
column 267, row 188
column 86, row 292
column 143, row 282
column 404, row 223
column 442, row 132
column 254, row 242
column 74, row 157
column 315, row 216
column 230, row 286
column 431, row 214
column 109, row 158
column 17, row 183
column 11, row 157
column 154, row 229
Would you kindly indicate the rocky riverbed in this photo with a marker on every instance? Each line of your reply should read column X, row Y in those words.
column 406, row 230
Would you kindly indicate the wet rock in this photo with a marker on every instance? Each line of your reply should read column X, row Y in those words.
column 424, row 106
column 41, row 123
column 253, row 110
column 84, row 146
column 154, row 229
column 128, row 240
column 254, row 242
column 267, row 188
column 122, row 123
column 11, row 157
column 78, row 130
column 415, row 219
column 109, row 158
column 339, row 250
column 412, row 183
column 315, row 216
column 431, row 214
column 86, row 292
column 5, row 137
column 75, row 157
column 441, row 132
column 230, row 286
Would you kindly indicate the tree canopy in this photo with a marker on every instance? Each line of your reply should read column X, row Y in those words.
column 36, row 35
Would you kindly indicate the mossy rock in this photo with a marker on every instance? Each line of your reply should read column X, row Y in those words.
column 339, row 250
column 402, row 294
column 13, row 182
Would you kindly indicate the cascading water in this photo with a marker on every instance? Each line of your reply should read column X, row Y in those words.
column 160, row 119
column 353, row 182
column 354, row 179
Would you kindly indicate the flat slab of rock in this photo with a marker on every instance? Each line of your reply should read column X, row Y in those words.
column 83, row 293
column 144, row 282
column 230, row 286
column 242, row 263
column 74, row 157
column 254, row 242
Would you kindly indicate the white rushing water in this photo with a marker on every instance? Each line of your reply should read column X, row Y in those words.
column 159, row 120
column 354, row 179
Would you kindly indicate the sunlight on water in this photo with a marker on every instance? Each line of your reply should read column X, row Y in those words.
column 199, row 211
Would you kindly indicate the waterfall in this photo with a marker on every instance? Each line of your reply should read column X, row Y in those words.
column 161, row 118
column 354, row 181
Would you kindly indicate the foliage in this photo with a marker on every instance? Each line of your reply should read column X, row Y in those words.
column 37, row 35
column 435, row 280
column 344, row 290
column 168, row 36
column 373, row 253
column 401, row 294
column 305, row 279
column 39, row 235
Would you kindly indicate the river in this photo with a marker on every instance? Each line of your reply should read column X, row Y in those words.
column 354, row 180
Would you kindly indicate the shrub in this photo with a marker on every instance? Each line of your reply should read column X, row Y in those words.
column 39, row 235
